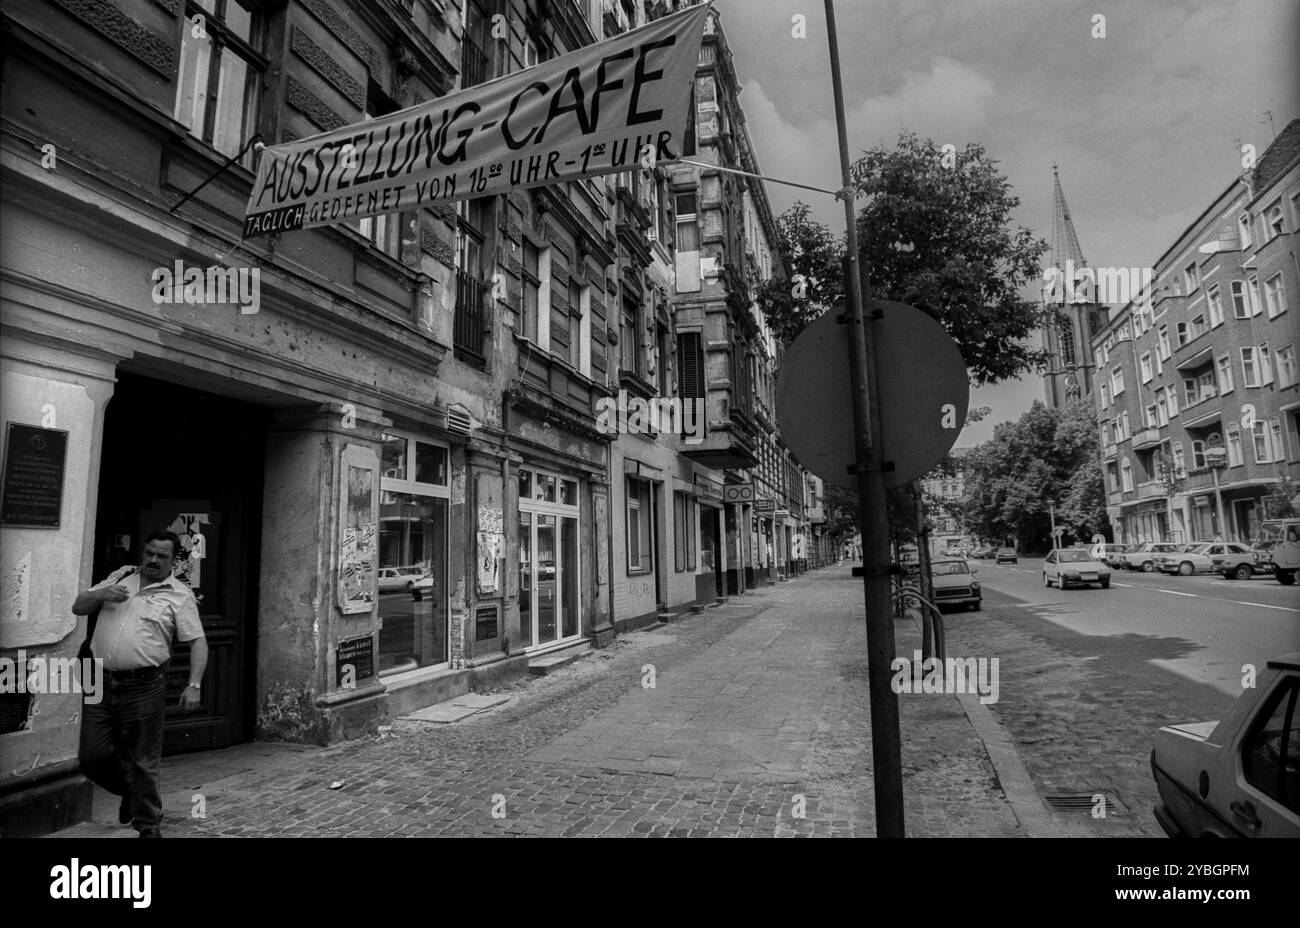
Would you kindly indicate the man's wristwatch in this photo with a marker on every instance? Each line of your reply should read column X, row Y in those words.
column 195, row 685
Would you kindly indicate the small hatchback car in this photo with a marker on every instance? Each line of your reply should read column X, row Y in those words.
column 1008, row 556
column 1240, row 777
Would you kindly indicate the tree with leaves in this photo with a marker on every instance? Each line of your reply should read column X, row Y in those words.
column 1047, row 457
column 935, row 232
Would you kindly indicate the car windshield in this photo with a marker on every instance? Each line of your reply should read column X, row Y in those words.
column 1270, row 534
column 946, row 568
column 1075, row 557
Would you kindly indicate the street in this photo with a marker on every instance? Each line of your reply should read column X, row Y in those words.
column 751, row 719
column 1088, row 675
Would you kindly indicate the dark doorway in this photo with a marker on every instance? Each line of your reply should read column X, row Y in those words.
column 189, row 461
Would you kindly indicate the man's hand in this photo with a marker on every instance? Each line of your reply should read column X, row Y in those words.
column 114, row 594
column 189, row 699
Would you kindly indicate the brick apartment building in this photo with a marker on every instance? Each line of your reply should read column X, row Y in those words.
column 1197, row 385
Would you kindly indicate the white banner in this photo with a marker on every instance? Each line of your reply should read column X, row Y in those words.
column 586, row 113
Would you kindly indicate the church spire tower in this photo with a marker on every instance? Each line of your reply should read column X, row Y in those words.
column 1069, row 370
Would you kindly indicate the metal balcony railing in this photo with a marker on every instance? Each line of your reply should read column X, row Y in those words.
column 468, row 327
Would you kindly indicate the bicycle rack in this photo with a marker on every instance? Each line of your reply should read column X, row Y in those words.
column 931, row 626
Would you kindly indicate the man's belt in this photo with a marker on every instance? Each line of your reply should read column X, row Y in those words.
column 136, row 673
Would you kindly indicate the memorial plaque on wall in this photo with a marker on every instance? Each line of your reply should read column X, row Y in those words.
column 486, row 626
column 357, row 652
column 33, row 476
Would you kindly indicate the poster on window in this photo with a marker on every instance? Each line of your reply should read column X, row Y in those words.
column 596, row 110
column 357, row 541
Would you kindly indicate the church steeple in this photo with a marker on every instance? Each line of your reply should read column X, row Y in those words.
column 1069, row 371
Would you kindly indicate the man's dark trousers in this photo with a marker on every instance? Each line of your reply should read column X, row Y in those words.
column 121, row 742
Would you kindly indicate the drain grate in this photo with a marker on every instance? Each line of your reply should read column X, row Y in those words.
column 1103, row 800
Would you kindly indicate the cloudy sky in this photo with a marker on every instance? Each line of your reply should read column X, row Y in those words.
column 1143, row 123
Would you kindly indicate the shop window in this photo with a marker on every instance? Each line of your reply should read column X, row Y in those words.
column 220, row 75
column 414, row 505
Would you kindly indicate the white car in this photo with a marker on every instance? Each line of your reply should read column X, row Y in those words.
column 955, row 584
column 397, row 578
column 1074, row 566
column 1143, row 557
column 1204, row 558
column 1238, row 778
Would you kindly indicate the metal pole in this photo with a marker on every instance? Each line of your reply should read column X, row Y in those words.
column 1051, row 514
column 886, row 750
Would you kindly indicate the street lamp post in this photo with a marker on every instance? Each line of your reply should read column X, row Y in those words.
column 1051, row 514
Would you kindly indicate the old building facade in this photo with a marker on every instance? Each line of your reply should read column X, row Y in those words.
column 1197, row 384
column 387, row 448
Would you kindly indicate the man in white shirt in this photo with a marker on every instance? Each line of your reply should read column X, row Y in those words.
column 122, row 735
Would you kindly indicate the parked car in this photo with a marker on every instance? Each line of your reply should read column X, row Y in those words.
column 1245, row 565
column 955, row 583
column 983, row 552
column 1239, row 777
column 397, row 578
column 1074, row 566
column 1202, row 558
column 1144, row 556
column 1114, row 556
column 1008, row 555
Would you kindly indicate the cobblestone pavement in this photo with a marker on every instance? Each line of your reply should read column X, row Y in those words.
column 757, row 725
column 1084, row 709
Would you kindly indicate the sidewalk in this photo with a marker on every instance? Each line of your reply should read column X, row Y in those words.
column 757, row 725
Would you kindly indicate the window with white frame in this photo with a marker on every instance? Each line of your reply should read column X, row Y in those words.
column 1150, row 417
column 1144, row 365
column 1250, row 366
column 1173, row 401
column 1275, row 295
column 1198, row 453
column 1183, row 333
column 1191, row 277
column 1259, row 439
column 1279, row 445
column 1126, row 475
column 1205, row 383
column 1252, row 288
column 640, row 524
column 220, row 75
column 1286, row 367
column 1240, row 305
column 1116, row 380
column 1224, row 364
column 1214, row 305
column 1243, row 230
column 1274, row 224
column 1234, row 446
column 1105, row 396
column 1162, row 408
column 1163, row 342
column 1180, row 460
column 1189, row 390
column 1265, row 366
column 1122, row 427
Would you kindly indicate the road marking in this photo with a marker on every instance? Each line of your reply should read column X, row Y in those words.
column 1126, row 585
column 1179, row 593
column 1267, row 606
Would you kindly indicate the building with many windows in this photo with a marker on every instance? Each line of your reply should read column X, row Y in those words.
column 1198, row 389
column 387, row 463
